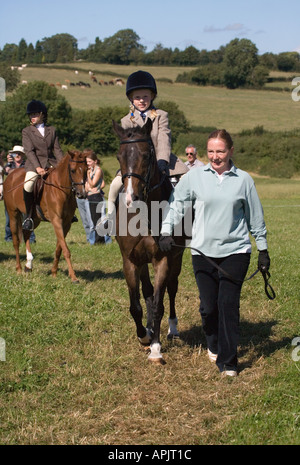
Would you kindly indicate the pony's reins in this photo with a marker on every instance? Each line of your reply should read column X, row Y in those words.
column 270, row 293
column 51, row 184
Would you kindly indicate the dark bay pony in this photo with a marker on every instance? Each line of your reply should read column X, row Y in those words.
column 145, row 184
column 57, row 202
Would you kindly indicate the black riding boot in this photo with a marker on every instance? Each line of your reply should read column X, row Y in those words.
column 28, row 222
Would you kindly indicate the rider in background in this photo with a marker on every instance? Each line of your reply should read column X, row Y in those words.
column 42, row 151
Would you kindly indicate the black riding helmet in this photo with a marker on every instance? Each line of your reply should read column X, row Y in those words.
column 140, row 80
column 36, row 106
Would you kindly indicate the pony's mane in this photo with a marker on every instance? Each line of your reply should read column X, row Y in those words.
column 62, row 161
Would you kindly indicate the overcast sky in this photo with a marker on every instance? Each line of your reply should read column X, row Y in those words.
column 273, row 26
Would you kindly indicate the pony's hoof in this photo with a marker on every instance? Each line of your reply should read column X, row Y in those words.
column 157, row 361
column 146, row 340
column 173, row 332
column 75, row 281
column 155, row 354
column 27, row 270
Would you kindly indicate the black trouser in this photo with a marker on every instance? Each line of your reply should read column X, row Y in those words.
column 220, row 304
column 94, row 200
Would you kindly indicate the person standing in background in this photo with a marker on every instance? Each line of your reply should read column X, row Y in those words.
column 15, row 159
column 192, row 160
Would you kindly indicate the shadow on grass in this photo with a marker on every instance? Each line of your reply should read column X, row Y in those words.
column 255, row 340
column 89, row 275
column 257, row 337
column 94, row 275
column 5, row 256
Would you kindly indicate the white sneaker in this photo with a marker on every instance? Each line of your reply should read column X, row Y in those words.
column 212, row 357
column 231, row 373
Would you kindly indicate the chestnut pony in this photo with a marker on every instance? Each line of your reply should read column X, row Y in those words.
column 145, row 187
column 57, row 204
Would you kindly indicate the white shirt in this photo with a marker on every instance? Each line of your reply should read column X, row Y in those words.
column 41, row 128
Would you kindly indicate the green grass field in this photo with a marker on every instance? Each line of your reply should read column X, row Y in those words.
column 234, row 110
column 75, row 373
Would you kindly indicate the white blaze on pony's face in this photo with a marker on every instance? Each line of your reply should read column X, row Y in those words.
column 129, row 193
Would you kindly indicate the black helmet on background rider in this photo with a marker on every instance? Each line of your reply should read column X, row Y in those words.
column 36, row 106
column 141, row 80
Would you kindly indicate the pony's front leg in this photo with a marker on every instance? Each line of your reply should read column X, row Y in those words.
column 158, row 306
column 57, row 256
column 147, row 290
column 131, row 273
column 15, row 225
column 61, row 247
column 161, row 276
column 29, row 256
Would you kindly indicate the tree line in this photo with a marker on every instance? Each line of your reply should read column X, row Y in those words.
column 79, row 129
column 124, row 48
column 76, row 128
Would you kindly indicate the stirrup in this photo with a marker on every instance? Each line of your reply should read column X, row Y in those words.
column 27, row 224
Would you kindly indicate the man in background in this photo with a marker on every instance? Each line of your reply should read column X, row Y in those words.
column 192, row 160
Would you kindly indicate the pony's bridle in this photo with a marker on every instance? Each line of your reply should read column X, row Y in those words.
column 74, row 184
column 147, row 179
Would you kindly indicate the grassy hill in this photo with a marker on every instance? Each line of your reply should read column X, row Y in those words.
column 235, row 110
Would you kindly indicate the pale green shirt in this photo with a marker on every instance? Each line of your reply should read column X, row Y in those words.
column 226, row 208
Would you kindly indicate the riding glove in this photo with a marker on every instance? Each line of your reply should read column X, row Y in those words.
column 165, row 243
column 263, row 261
column 162, row 165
